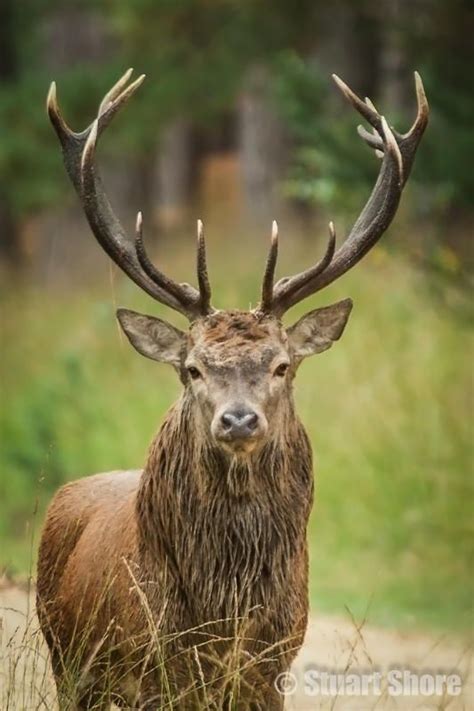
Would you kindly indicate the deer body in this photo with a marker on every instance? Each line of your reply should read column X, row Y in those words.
column 185, row 586
column 211, row 541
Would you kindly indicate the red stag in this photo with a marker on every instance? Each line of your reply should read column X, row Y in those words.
column 185, row 585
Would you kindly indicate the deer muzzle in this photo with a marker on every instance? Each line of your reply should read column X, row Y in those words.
column 239, row 428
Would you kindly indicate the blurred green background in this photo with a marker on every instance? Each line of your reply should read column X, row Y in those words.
column 238, row 123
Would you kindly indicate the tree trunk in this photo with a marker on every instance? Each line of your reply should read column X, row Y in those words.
column 10, row 245
column 173, row 174
column 261, row 145
column 395, row 87
column 347, row 45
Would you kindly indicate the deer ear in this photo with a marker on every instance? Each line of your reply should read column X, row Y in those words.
column 153, row 337
column 317, row 330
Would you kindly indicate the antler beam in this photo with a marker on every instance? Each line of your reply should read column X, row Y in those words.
column 79, row 158
column 398, row 153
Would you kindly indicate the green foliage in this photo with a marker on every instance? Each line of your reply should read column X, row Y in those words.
column 328, row 166
column 387, row 410
column 444, row 166
column 441, row 46
column 196, row 54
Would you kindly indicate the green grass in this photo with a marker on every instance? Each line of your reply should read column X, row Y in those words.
column 388, row 410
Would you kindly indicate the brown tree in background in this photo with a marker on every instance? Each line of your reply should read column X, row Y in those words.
column 10, row 247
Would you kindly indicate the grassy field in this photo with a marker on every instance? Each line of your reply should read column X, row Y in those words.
column 388, row 410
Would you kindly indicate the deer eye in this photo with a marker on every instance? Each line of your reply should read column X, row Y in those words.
column 194, row 373
column 281, row 370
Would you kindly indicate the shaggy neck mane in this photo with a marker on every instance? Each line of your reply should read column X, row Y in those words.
column 224, row 528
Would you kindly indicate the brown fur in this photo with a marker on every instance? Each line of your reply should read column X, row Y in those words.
column 152, row 585
column 200, row 539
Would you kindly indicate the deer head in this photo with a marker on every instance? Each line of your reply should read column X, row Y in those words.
column 238, row 366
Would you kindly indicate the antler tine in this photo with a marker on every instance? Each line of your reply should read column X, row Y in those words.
column 110, row 104
column 366, row 109
column 158, row 277
column 398, row 153
column 372, row 139
column 412, row 138
column 115, row 91
column 269, row 275
column 409, row 141
column 116, row 100
column 79, row 158
column 289, row 290
column 392, row 147
column 202, row 274
column 60, row 126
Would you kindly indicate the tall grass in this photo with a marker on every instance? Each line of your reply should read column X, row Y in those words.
column 388, row 411
column 216, row 664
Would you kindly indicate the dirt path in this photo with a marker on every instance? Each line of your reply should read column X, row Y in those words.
column 332, row 645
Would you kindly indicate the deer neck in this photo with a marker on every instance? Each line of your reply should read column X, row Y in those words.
column 216, row 522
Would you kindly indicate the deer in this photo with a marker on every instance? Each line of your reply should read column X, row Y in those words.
column 184, row 585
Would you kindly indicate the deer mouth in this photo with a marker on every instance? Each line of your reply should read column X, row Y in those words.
column 239, row 447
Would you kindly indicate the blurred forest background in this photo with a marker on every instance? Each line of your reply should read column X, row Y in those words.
column 238, row 123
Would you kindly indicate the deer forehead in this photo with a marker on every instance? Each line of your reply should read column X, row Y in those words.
column 234, row 339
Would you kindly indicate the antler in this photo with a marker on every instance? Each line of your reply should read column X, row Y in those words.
column 398, row 153
column 79, row 158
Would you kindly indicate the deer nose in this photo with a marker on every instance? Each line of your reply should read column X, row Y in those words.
column 239, row 423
